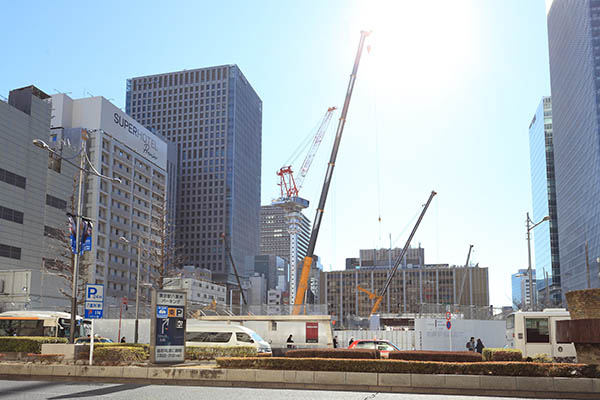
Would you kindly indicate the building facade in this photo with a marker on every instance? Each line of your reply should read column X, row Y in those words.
column 214, row 117
column 199, row 291
column 417, row 290
column 137, row 208
column 274, row 236
column 521, row 297
column 415, row 257
column 543, row 196
column 34, row 198
column 574, row 49
column 270, row 266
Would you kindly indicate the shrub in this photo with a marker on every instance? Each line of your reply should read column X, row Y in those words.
column 451, row 356
column 414, row 367
column 210, row 353
column 45, row 358
column 334, row 353
column 541, row 358
column 26, row 344
column 119, row 354
column 500, row 354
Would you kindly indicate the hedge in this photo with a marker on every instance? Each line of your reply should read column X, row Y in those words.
column 334, row 353
column 210, row 353
column 26, row 344
column 449, row 356
column 501, row 354
column 413, row 367
column 119, row 354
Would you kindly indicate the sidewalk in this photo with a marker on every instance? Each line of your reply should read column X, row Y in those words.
column 201, row 375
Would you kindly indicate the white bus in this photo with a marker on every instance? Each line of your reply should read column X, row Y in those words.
column 534, row 332
column 41, row 323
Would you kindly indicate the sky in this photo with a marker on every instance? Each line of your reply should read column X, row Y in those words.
column 442, row 101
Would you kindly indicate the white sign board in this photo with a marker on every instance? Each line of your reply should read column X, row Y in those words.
column 94, row 301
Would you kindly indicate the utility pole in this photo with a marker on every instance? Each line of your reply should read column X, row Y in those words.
column 587, row 266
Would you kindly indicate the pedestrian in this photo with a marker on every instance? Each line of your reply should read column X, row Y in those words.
column 471, row 344
column 123, row 340
column 479, row 346
column 351, row 341
column 335, row 342
column 290, row 342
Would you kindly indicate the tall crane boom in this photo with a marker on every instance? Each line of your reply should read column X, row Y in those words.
column 462, row 286
column 385, row 287
column 303, row 284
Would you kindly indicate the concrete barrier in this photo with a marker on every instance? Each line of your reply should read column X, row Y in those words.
column 543, row 387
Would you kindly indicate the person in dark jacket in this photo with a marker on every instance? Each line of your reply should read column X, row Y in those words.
column 290, row 342
column 479, row 346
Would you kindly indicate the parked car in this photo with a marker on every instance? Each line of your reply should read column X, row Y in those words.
column 384, row 346
column 203, row 334
column 97, row 339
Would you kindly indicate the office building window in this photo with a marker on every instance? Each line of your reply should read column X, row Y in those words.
column 12, row 179
column 11, row 215
column 10, row 252
column 56, row 202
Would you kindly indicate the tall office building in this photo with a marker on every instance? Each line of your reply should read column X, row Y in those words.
column 543, row 194
column 274, row 236
column 120, row 147
column 574, row 47
column 214, row 117
column 521, row 297
column 35, row 194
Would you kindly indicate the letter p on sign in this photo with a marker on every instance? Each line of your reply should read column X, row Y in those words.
column 91, row 292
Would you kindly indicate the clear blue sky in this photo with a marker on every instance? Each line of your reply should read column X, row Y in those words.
column 443, row 102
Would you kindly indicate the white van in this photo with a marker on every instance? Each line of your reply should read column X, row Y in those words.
column 202, row 334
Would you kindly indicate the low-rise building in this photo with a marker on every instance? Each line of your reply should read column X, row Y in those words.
column 199, row 292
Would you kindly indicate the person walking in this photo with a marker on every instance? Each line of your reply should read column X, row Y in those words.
column 123, row 340
column 471, row 344
column 335, row 342
column 351, row 341
column 479, row 346
column 290, row 342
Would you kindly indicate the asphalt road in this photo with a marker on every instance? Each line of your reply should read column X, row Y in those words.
column 30, row 390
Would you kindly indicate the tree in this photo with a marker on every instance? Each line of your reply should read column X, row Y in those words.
column 60, row 260
column 165, row 255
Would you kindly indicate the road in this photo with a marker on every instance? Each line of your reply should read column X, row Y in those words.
column 28, row 390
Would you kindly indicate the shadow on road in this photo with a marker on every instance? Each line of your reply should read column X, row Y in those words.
column 26, row 387
column 98, row 392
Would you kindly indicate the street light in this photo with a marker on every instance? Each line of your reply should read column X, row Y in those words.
column 530, row 226
column 83, row 158
column 137, row 285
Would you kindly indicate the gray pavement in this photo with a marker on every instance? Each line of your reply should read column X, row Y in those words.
column 30, row 390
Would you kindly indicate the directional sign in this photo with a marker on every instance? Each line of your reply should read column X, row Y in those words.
column 94, row 300
column 167, row 337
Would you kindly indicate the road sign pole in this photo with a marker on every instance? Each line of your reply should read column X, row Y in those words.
column 92, row 345
column 450, row 336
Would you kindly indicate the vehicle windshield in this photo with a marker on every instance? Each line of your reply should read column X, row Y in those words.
column 256, row 337
column 510, row 322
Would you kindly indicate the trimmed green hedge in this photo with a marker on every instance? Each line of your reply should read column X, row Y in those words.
column 501, row 354
column 448, row 356
column 26, row 344
column 210, row 353
column 413, row 367
column 334, row 353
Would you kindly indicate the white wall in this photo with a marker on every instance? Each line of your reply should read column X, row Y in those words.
column 432, row 334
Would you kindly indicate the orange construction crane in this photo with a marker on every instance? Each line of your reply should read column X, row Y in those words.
column 307, row 263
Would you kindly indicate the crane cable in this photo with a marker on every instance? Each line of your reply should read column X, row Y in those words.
column 373, row 86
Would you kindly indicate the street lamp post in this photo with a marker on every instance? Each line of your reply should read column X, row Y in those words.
column 81, row 167
column 530, row 226
column 137, row 285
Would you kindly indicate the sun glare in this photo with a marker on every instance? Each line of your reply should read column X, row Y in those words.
column 425, row 46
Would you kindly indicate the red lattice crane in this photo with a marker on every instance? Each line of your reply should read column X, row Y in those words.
column 290, row 186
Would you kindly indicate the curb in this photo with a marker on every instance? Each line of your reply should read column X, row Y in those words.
column 483, row 385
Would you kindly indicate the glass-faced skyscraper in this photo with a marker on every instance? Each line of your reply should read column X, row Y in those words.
column 215, row 118
column 543, row 195
column 574, row 44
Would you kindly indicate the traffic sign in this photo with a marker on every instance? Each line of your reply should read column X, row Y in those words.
column 448, row 325
column 448, row 316
column 94, row 300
